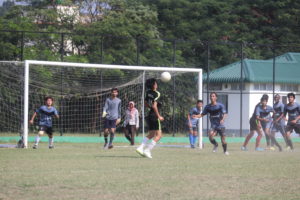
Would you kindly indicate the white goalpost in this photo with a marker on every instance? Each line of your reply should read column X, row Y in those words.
column 189, row 79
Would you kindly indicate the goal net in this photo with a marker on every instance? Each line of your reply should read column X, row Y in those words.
column 80, row 90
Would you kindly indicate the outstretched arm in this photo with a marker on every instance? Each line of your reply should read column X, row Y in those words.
column 32, row 118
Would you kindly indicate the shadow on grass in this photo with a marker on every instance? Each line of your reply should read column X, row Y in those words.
column 118, row 156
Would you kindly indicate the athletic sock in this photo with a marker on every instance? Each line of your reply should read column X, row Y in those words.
column 194, row 139
column 128, row 138
column 191, row 138
column 290, row 143
column 111, row 138
column 51, row 142
column 37, row 139
column 268, row 139
column 224, row 147
column 144, row 142
column 105, row 139
column 151, row 145
column 214, row 142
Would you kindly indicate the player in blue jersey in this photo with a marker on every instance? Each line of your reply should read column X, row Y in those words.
column 278, row 119
column 261, row 119
column 193, row 122
column 217, row 114
column 45, row 112
column 152, row 101
column 293, row 111
column 112, row 115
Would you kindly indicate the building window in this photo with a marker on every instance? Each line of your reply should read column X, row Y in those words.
column 263, row 86
column 284, row 99
column 223, row 98
column 236, row 86
column 215, row 86
column 289, row 87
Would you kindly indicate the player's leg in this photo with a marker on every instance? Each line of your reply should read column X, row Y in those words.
column 258, row 138
column 221, row 132
column 38, row 136
column 106, row 133
column 281, row 128
column 191, row 136
column 157, row 136
column 289, row 129
column 272, row 138
column 111, row 138
column 247, row 139
column 126, row 132
column 132, row 132
column 212, row 140
column 152, row 126
column 195, row 135
column 49, row 131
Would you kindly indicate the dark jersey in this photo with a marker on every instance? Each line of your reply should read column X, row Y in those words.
column 216, row 113
column 151, row 97
column 278, row 109
column 46, row 115
column 264, row 112
column 293, row 111
column 254, row 112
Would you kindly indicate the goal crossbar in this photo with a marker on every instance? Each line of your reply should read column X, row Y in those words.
column 100, row 66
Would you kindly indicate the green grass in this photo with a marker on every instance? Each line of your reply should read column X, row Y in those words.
column 86, row 171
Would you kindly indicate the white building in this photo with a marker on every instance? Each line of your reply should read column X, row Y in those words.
column 257, row 80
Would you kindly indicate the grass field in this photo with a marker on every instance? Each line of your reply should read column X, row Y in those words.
column 86, row 171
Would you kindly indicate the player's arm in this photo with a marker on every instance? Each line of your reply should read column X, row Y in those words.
column 223, row 118
column 189, row 120
column 33, row 117
column 154, row 107
column 105, row 108
column 119, row 114
column 137, row 120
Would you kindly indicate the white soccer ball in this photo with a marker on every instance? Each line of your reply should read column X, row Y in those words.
column 165, row 76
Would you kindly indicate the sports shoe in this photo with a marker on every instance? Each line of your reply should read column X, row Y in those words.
column 272, row 148
column 226, row 153
column 215, row 148
column 105, row 146
column 288, row 148
column 244, row 148
column 280, row 149
column 51, row 147
column 147, row 153
column 35, row 146
column 140, row 151
column 110, row 146
column 193, row 146
column 259, row 149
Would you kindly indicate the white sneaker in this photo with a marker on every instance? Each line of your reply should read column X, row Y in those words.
column 140, row 150
column 147, row 153
column 105, row 147
column 226, row 153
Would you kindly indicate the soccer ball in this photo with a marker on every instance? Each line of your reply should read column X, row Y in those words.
column 165, row 76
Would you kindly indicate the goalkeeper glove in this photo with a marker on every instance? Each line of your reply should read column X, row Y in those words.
column 104, row 114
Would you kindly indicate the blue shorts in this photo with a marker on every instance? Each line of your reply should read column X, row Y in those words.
column 110, row 123
column 265, row 125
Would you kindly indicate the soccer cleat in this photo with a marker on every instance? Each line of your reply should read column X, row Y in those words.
column 105, row 146
column 244, row 148
column 147, row 153
column 272, row 148
column 259, row 149
column 193, row 146
column 35, row 146
column 288, row 148
column 51, row 147
column 140, row 151
column 110, row 146
column 215, row 149
column 226, row 153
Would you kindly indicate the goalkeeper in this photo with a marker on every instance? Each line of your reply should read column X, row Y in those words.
column 112, row 115
column 45, row 124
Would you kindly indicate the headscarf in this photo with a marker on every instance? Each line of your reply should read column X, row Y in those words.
column 132, row 110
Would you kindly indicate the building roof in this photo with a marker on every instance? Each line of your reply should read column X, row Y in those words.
column 287, row 70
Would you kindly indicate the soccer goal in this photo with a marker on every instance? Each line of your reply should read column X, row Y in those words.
column 79, row 91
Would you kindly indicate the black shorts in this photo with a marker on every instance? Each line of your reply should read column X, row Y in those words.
column 218, row 130
column 153, row 123
column 291, row 127
column 46, row 129
column 253, row 124
column 110, row 123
